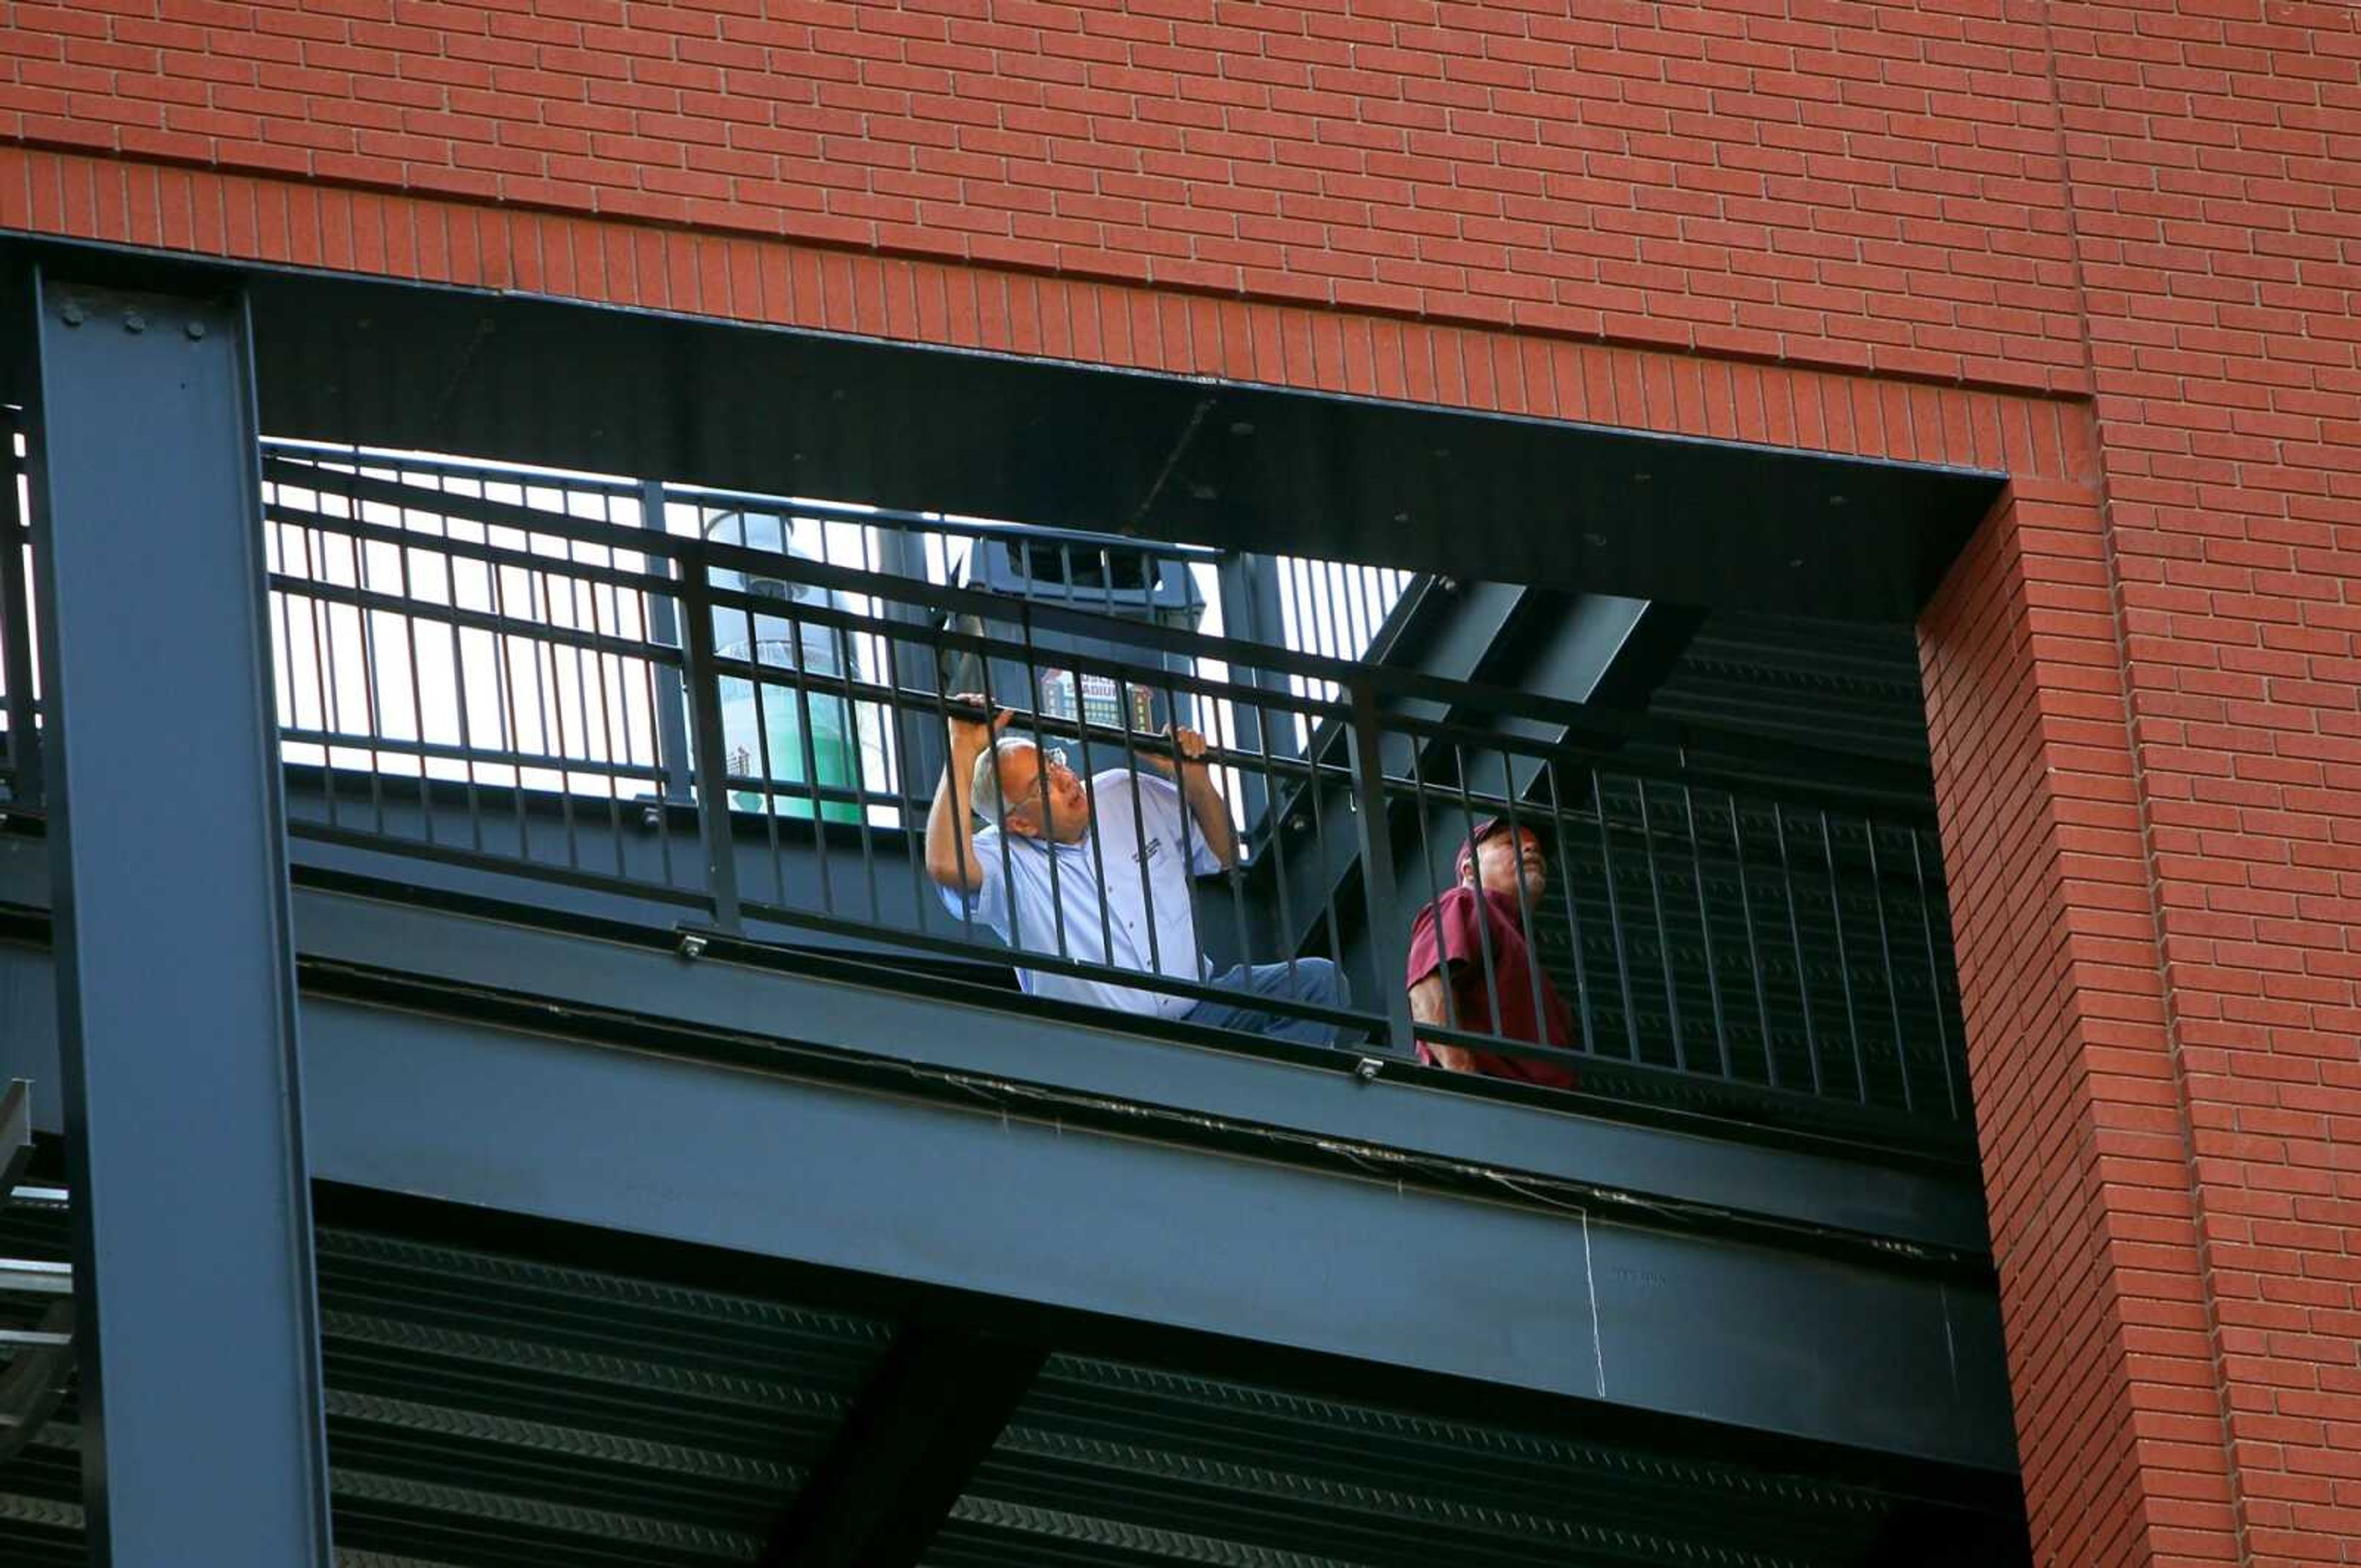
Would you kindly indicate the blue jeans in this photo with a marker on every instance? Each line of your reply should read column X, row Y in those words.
column 1312, row 979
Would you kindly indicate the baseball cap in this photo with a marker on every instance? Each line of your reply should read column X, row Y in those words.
column 1485, row 828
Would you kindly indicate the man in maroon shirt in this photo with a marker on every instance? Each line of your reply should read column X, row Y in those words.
column 1475, row 934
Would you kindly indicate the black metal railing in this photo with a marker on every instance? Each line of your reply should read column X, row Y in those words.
column 19, row 680
column 1698, row 922
column 735, row 709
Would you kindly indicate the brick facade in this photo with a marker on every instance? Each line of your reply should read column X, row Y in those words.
column 1870, row 186
column 2112, row 248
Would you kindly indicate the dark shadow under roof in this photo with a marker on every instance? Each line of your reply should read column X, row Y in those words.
column 810, row 413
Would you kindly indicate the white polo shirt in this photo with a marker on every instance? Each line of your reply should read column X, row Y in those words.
column 1121, row 904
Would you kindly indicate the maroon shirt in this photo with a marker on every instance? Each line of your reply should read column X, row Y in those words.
column 1455, row 916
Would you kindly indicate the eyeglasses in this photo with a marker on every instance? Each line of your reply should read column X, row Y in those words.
column 1049, row 757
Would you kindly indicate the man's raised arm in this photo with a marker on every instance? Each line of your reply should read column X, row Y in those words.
column 1195, row 778
column 951, row 836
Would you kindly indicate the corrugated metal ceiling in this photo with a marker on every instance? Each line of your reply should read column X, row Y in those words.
column 486, row 1408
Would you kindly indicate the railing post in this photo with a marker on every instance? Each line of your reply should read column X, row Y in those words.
column 1388, row 935
column 17, row 646
column 1247, row 584
column 919, row 739
column 664, row 627
column 705, row 740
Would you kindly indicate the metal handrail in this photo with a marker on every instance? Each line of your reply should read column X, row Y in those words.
column 1892, row 784
column 561, row 697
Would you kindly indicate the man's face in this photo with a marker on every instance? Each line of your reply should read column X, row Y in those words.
column 1504, row 859
column 1020, row 784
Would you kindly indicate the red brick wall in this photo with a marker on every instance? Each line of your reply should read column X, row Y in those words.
column 2086, row 1175
column 2112, row 247
column 1833, row 183
column 2215, row 154
column 2147, row 719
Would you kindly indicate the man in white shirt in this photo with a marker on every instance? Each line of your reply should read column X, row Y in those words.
column 1098, row 873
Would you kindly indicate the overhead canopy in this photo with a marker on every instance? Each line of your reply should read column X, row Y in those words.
column 823, row 414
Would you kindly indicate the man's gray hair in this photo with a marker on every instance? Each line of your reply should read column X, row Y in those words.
column 983, row 787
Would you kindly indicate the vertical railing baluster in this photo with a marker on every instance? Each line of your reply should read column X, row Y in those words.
column 959, row 836
column 759, row 766
column 912, row 824
column 605, row 621
column 1098, row 839
column 447, row 566
column 549, row 710
column 503, row 686
column 369, row 653
column 1705, row 931
column 1753, row 947
column 1663, row 935
column 1582, row 1001
column 1388, row 948
column 1320, row 835
column 1422, row 816
column 1796, row 937
column 1494, row 1012
column 409, row 589
column 1349, row 595
column 856, row 763
column 1844, row 964
column 664, row 628
column 16, row 639
column 1041, row 788
column 1508, row 793
column 1329, row 644
column 1276, row 829
column 1189, row 827
column 713, row 820
column 1000, row 815
column 1630, row 1002
column 1294, row 626
column 799, row 683
column 322, row 669
column 1886, row 952
column 1123, row 700
column 1222, row 739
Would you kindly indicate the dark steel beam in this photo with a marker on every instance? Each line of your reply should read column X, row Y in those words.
column 1662, row 633
column 1798, row 1184
column 1423, row 487
column 931, row 1412
column 1559, row 1298
column 924, row 427
column 194, row 1311
column 1011, row 1197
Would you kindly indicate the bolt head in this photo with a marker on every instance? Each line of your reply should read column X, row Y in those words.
column 134, row 321
column 71, row 313
column 196, row 331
